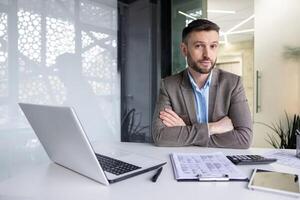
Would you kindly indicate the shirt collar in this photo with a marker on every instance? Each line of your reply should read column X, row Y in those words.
column 195, row 86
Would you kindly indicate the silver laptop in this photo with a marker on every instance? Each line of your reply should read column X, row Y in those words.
column 62, row 136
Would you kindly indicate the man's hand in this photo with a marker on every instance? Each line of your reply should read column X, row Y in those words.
column 170, row 118
column 221, row 126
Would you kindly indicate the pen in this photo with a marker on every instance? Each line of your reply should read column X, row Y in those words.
column 156, row 175
column 224, row 177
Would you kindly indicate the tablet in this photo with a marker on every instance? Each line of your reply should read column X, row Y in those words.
column 274, row 181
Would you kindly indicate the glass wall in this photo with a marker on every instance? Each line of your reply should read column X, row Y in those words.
column 138, row 49
column 59, row 52
column 259, row 41
column 183, row 12
column 236, row 52
column 277, row 59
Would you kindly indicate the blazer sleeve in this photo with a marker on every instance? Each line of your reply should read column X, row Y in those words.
column 195, row 134
column 239, row 113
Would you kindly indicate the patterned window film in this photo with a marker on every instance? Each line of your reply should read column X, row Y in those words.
column 60, row 52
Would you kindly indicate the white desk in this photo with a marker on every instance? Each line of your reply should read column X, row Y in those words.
column 35, row 177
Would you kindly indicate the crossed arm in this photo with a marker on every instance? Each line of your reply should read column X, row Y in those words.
column 171, row 119
column 232, row 131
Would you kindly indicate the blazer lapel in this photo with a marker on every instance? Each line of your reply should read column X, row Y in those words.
column 212, row 94
column 188, row 96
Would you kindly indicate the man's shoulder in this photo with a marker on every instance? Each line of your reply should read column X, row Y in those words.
column 227, row 77
column 174, row 79
column 220, row 77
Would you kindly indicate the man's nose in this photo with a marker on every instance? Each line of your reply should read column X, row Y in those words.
column 206, row 52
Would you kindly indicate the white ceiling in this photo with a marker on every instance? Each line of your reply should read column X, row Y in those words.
column 243, row 10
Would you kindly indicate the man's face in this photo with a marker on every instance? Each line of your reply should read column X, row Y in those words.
column 201, row 48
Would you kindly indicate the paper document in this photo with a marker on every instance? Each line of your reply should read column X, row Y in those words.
column 284, row 158
column 191, row 166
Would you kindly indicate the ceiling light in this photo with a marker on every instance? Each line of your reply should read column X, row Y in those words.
column 240, row 24
column 222, row 11
column 225, row 39
column 241, row 31
column 187, row 15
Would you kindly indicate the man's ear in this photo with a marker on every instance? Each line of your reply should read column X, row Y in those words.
column 183, row 48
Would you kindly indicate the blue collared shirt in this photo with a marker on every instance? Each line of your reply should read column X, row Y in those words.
column 201, row 98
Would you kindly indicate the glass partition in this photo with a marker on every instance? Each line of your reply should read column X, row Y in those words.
column 277, row 59
column 183, row 12
column 61, row 52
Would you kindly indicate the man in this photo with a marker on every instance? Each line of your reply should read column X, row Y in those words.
column 202, row 105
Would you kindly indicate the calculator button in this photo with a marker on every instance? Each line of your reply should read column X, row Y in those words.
column 250, row 159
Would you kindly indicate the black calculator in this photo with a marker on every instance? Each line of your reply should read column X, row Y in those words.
column 250, row 159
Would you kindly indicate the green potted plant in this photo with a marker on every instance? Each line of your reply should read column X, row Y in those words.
column 285, row 133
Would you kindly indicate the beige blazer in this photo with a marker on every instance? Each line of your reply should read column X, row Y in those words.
column 226, row 98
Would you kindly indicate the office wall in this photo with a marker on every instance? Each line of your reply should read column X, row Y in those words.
column 276, row 31
column 59, row 53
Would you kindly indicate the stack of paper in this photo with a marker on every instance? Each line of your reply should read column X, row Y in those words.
column 205, row 167
column 285, row 158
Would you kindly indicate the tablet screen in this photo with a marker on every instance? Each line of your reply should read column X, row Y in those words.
column 275, row 181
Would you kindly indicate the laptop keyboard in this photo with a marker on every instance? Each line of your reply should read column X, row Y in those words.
column 115, row 166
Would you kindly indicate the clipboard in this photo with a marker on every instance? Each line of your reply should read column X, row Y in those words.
column 199, row 178
column 211, row 167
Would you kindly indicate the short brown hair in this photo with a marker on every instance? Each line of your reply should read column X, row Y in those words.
column 199, row 25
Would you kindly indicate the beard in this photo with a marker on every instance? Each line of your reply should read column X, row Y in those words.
column 196, row 65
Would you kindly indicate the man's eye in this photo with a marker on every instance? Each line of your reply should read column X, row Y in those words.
column 199, row 46
column 213, row 46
